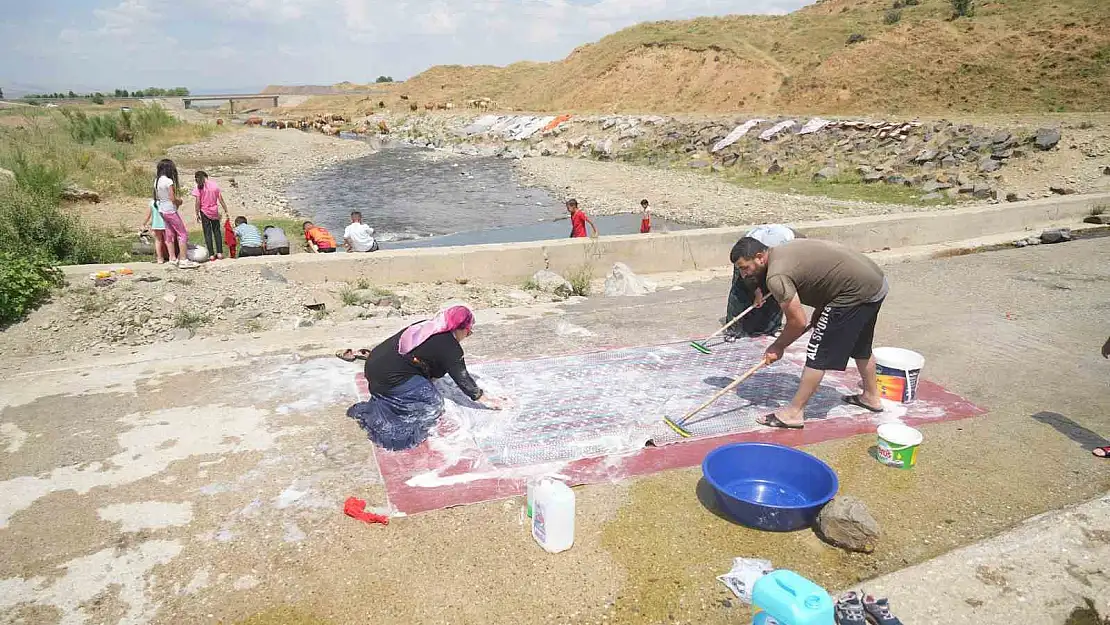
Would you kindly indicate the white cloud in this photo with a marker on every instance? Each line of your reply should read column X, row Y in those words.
column 222, row 43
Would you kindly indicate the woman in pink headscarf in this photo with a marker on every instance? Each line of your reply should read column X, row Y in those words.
column 404, row 404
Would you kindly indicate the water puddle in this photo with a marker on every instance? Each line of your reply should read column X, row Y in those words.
column 418, row 198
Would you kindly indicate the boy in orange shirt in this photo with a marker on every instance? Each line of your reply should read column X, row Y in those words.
column 317, row 239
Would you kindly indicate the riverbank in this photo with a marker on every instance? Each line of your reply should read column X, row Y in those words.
column 253, row 166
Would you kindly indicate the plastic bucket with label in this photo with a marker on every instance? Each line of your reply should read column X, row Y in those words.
column 897, row 446
column 897, row 371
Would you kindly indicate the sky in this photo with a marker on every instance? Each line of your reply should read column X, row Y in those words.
column 210, row 45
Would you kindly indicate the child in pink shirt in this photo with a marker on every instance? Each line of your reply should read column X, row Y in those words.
column 208, row 203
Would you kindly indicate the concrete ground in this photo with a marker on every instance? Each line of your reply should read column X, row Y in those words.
column 203, row 481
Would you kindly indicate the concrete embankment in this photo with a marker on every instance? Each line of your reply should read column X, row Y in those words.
column 681, row 251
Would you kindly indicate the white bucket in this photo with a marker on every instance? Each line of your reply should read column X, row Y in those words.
column 897, row 371
column 898, row 445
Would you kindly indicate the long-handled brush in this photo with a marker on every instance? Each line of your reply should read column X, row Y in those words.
column 701, row 345
column 679, row 425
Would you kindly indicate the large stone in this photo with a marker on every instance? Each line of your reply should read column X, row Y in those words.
column 896, row 179
column 934, row 186
column 1001, row 137
column 989, row 165
column 982, row 191
column 948, row 162
column 551, row 282
column 1012, row 196
column 1046, row 138
column 774, row 169
column 1062, row 190
column 873, row 176
column 227, row 302
column 925, row 156
column 182, row 334
column 699, row 164
column 622, row 281
column 826, row 173
column 932, row 197
column 1097, row 219
column 1056, row 235
column 7, row 175
column 74, row 193
column 847, row 523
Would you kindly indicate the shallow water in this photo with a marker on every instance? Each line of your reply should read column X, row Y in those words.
column 418, row 198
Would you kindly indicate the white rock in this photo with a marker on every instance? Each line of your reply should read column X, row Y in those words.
column 622, row 281
column 551, row 282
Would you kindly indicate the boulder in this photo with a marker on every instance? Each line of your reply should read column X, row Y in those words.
column 183, row 334
column 551, row 282
column 873, row 176
column 932, row 197
column 1001, row 137
column 699, row 164
column 1012, row 197
column 826, row 173
column 622, row 281
column 9, row 175
column 1097, row 219
column 227, row 302
column 925, row 156
column 1056, row 235
column 967, row 188
column 989, row 165
column 73, row 193
column 895, row 179
column 948, row 162
column 982, row 191
column 1046, row 138
column 1062, row 190
column 774, row 169
column 933, row 186
column 847, row 523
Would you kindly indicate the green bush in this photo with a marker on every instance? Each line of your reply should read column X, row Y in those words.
column 26, row 281
column 963, row 8
column 580, row 279
column 892, row 16
column 38, row 177
column 34, row 223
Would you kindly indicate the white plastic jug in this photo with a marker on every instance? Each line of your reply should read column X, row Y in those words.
column 553, row 515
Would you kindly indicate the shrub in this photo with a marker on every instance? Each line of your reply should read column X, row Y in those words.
column 190, row 319
column 856, row 38
column 580, row 279
column 33, row 222
column 963, row 8
column 25, row 282
column 36, row 177
column 892, row 16
column 911, row 3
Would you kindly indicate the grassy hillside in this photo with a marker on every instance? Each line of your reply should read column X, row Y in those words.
column 1010, row 56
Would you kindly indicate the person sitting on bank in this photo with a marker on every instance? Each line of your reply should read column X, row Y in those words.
column 250, row 239
column 846, row 290
column 404, row 405
column 359, row 237
column 317, row 239
column 274, row 241
column 766, row 319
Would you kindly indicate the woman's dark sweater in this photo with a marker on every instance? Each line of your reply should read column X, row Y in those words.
column 440, row 355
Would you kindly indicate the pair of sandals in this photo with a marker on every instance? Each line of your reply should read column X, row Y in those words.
column 773, row 421
column 1101, row 452
column 351, row 355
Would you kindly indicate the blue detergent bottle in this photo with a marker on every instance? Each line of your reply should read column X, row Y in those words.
column 786, row 598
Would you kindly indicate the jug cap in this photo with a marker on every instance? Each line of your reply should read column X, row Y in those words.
column 813, row 602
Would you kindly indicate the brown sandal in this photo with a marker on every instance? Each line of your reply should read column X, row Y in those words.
column 1101, row 452
column 351, row 355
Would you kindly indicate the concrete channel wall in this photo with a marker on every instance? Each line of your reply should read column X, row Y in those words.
column 657, row 253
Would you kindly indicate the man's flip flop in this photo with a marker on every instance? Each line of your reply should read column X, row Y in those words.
column 1101, row 452
column 772, row 421
column 351, row 355
column 857, row 400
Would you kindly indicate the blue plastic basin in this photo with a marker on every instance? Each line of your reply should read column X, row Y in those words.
column 769, row 487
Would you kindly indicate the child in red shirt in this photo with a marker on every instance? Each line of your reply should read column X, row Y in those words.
column 578, row 220
column 645, row 217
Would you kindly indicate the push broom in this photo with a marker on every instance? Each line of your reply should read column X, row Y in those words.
column 679, row 425
column 703, row 348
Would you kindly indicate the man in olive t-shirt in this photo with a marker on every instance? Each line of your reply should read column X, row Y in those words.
column 846, row 290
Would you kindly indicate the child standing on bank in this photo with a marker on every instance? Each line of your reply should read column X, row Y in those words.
column 155, row 223
column 208, row 203
column 645, row 217
column 165, row 196
column 578, row 220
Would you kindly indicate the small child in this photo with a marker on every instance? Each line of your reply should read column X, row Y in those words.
column 645, row 217
column 317, row 239
column 154, row 222
column 578, row 220
column 250, row 239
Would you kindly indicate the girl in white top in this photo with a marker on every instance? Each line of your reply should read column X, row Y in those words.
column 165, row 197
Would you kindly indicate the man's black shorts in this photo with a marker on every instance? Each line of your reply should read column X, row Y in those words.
column 840, row 333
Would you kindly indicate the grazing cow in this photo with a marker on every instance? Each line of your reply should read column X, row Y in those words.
column 413, row 106
column 254, row 121
column 429, row 106
column 441, row 106
column 381, row 104
column 220, row 122
column 383, row 128
column 449, row 106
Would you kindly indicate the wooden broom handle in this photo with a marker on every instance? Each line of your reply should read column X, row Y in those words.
column 732, row 385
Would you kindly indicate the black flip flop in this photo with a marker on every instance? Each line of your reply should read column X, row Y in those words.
column 771, row 420
column 1105, row 452
column 856, row 400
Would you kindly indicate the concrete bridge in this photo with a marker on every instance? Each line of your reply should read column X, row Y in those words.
column 188, row 100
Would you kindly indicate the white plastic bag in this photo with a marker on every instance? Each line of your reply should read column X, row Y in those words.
column 745, row 572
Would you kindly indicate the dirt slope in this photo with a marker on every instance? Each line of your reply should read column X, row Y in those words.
column 1011, row 56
